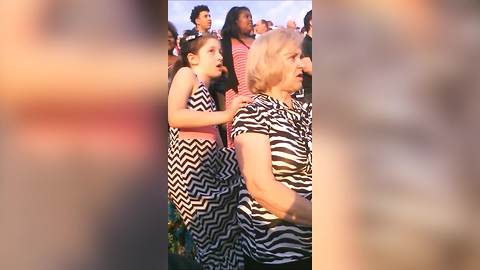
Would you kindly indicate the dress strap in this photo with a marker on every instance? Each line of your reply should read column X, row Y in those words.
column 201, row 83
column 244, row 44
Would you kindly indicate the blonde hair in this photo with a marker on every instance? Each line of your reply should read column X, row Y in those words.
column 265, row 66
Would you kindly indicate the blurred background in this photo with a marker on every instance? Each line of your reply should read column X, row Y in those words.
column 83, row 134
column 396, row 96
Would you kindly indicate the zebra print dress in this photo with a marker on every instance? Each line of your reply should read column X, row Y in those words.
column 203, row 184
column 266, row 238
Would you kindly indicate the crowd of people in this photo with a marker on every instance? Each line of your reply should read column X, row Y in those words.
column 239, row 111
column 236, row 37
column 83, row 171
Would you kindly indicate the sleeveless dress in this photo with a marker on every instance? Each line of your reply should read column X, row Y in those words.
column 203, row 184
column 240, row 55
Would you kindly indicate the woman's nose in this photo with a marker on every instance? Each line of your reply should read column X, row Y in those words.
column 300, row 63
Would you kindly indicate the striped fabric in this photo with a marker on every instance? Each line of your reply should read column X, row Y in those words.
column 203, row 184
column 240, row 55
column 266, row 238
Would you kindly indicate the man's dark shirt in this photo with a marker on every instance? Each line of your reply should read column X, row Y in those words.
column 307, row 78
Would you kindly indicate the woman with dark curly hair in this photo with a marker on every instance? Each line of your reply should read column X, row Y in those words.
column 236, row 43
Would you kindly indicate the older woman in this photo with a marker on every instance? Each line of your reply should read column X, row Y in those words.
column 273, row 141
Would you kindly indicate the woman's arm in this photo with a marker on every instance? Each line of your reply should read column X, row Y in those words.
column 178, row 114
column 254, row 157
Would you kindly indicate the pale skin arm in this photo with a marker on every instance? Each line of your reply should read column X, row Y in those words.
column 254, row 157
column 179, row 116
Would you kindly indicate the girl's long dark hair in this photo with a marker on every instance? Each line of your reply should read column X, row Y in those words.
column 190, row 43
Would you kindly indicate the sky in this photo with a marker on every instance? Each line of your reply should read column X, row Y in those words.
column 279, row 12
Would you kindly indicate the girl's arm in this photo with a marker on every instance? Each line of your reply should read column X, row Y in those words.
column 254, row 157
column 178, row 115
column 307, row 65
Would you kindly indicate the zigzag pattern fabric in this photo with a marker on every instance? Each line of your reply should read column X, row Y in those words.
column 203, row 184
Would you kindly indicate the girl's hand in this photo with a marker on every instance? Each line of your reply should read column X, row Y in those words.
column 237, row 103
column 307, row 65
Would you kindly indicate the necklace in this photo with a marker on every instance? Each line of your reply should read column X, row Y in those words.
column 244, row 44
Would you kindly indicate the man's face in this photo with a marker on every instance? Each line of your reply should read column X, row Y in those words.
column 204, row 21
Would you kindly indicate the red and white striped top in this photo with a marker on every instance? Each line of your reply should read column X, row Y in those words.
column 240, row 55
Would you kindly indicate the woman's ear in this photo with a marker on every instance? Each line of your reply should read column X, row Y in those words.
column 192, row 59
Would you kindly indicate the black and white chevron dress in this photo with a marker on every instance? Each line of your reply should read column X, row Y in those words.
column 266, row 238
column 203, row 184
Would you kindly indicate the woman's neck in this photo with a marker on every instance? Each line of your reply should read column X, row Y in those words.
column 243, row 36
column 283, row 96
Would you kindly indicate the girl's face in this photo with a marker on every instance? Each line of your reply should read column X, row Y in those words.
column 293, row 69
column 244, row 22
column 210, row 60
column 171, row 41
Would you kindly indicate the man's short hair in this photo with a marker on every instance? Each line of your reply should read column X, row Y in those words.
column 306, row 21
column 196, row 12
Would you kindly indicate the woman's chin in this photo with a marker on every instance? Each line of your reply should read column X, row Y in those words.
column 297, row 88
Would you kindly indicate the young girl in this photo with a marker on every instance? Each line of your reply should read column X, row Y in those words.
column 203, row 177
